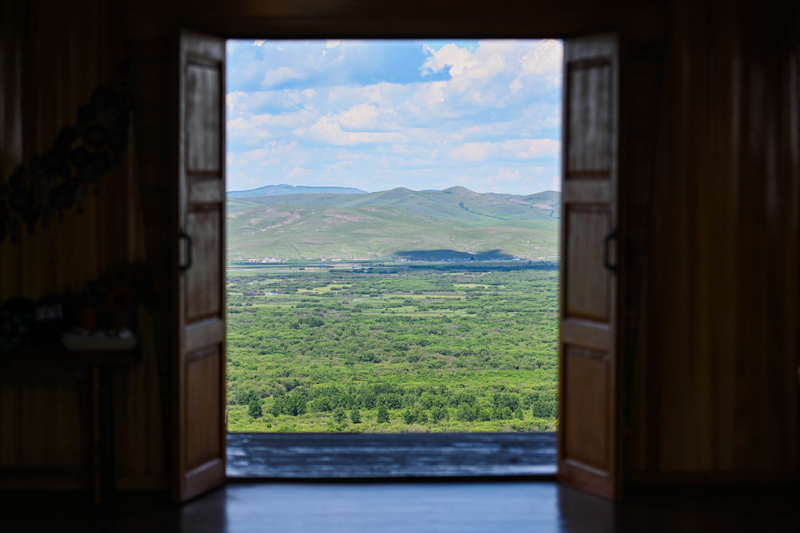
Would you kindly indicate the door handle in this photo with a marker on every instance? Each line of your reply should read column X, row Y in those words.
column 606, row 263
column 184, row 267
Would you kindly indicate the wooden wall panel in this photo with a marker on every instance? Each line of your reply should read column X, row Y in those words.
column 44, row 415
column 54, row 55
column 714, row 334
column 397, row 18
column 716, row 369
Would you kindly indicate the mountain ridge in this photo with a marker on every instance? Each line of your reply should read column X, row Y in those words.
column 393, row 224
column 281, row 189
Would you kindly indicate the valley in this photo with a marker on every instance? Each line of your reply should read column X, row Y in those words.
column 393, row 347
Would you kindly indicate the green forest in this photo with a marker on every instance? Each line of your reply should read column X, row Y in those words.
column 393, row 347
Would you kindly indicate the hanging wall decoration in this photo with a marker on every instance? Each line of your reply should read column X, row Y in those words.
column 61, row 179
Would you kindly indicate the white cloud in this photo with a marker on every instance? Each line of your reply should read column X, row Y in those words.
column 280, row 75
column 471, row 152
column 352, row 95
column 487, row 126
column 467, row 67
column 298, row 172
column 430, row 95
column 230, row 100
column 449, row 55
column 259, row 43
column 518, row 148
column 362, row 116
column 544, row 60
column 327, row 129
column 531, row 148
column 253, row 129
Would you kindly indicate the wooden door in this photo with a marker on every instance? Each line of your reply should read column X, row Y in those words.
column 200, row 355
column 588, row 427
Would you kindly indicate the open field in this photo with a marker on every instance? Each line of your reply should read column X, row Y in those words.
column 392, row 347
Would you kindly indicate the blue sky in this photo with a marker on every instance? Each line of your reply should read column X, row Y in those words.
column 376, row 115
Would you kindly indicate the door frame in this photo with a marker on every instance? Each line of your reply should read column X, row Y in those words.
column 517, row 19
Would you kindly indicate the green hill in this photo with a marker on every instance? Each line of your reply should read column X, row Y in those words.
column 235, row 204
column 400, row 223
column 276, row 190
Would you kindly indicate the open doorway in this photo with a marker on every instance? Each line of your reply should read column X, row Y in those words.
column 393, row 215
column 589, row 436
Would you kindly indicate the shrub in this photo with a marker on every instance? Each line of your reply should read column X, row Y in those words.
column 467, row 413
column 339, row 415
column 244, row 397
column 383, row 415
column 366, row 400
column 390, row 401
column 292, row 404
column 438, row 414
column 254, row 409
column 321, row 405
column 545, row 408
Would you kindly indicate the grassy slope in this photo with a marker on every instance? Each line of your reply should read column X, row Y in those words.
column 271, row 190
column 457, row 203
column 237, row 204
column 379, row 225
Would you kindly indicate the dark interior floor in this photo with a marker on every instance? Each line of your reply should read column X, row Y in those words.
column 404, row 455
column 410, row 507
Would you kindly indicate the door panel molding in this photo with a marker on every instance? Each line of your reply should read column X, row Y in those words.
column 589, row 429
column 200, row 388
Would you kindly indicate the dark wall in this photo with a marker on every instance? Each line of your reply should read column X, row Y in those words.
column 716, row 373
column 710, row 173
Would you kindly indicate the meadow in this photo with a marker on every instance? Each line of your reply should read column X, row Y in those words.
column 393, row 347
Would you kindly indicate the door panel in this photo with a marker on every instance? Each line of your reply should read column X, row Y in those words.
column 587, row 294
column 587, row 382
column 202, row 413
column 204, row 228
column 589, row 146
column 200, row 355
column 588, row 429
column 203, row 82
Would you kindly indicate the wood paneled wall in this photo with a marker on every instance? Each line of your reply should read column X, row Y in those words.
column 53, row 55
column 716, row 371
column 712, row 337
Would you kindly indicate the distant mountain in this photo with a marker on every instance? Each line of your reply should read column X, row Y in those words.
column 277, row 190
column 456, row 202
column 394, row 224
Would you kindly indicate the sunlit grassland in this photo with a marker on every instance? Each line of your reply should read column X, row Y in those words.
column 443, row 347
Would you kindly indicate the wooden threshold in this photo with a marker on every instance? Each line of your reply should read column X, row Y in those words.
column 371, row 456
